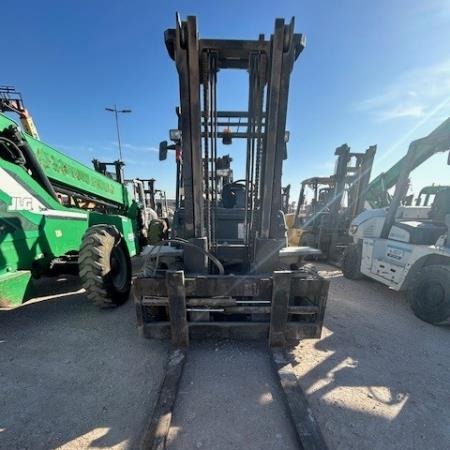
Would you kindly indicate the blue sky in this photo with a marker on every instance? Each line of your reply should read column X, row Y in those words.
column 372, row 73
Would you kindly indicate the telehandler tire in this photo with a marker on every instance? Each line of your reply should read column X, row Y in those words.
column 429, row 294
column 105, row 266
column 351, row 262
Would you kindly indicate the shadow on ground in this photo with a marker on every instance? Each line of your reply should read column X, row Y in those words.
column 74, row 376
column 378, row 378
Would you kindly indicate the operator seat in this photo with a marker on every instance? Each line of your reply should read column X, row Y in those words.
column 233, row 195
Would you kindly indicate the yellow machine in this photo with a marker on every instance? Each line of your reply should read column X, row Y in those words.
column 301, row 223
column 294, row 234
column 11, row 100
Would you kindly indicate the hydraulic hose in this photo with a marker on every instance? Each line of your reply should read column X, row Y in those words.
column 17, row 158
column 32, row 162
column 213, row 259
column 185, row 243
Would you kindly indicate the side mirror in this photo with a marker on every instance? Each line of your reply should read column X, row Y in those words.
column 163, row 150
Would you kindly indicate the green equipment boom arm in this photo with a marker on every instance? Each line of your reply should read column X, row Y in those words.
column 69, row 173
column 377, row 194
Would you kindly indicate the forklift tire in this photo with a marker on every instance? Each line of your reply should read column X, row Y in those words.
column 105, row 266
column 351, row 262
column 429, row 294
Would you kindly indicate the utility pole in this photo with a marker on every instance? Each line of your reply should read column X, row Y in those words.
column 116, row 112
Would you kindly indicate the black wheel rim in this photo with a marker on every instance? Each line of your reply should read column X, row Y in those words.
column 431, row 296
column 119, row 268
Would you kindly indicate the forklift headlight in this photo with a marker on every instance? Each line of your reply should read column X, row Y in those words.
column 353, row 229
column 175, row 135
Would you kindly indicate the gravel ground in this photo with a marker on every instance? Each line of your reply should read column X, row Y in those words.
column 73, row 376
column 379, row 378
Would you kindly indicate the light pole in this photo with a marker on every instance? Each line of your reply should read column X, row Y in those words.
column 116, row 111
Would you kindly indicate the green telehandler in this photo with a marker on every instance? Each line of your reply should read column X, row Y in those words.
column 57, row 213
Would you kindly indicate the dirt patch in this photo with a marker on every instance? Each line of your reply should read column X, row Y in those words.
column 73, row 376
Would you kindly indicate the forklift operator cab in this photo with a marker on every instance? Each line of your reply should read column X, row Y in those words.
column 424, row 231
column 428, row 229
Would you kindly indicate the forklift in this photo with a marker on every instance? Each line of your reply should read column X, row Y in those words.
column 321, row 189
column 226, row 269
column 407, row 247
column 336, row 200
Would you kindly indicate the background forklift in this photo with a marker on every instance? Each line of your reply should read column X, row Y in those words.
column 226, row 269
column 321, row 189
column 408, row 247
column 152, row 202
column 336, row 201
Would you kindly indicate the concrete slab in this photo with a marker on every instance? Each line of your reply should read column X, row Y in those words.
column 229, row 399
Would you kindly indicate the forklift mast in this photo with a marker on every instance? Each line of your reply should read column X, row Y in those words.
column 285, row 198
column 269, row 64
column 351, row 176
column 149, row 191
column 102, row 167
column 12, row 101
column 352, row 179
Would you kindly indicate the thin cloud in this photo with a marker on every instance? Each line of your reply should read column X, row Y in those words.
column 131, row 161
column 404, row 111
column 137, row 148
column 414, row 94
column 438, row 9
column 75, row 148
column 326, row 165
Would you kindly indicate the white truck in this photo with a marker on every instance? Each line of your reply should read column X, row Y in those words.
column 408, row 247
